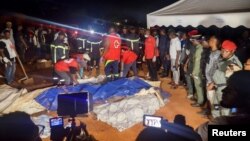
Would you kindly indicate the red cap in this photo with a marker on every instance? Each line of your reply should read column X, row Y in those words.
column 193, row 32
column 229, row 45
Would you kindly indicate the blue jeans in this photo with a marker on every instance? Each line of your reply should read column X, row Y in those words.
column 10, row 72
column 111, row 68
column 127, row 68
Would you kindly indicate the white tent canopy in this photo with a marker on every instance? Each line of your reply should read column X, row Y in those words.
column 220, row 13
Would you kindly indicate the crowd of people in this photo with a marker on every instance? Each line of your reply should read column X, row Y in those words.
column 200, row 63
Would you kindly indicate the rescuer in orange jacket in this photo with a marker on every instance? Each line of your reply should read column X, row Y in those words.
column 128, row 61
column 150, row 55
column 67, row 70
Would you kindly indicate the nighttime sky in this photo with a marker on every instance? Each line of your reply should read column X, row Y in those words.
column 77, row 11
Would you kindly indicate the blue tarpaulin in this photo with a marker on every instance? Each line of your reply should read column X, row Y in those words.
column 121, row 87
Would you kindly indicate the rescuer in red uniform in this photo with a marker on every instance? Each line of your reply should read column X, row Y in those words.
column 128, row 61
column 150, row 55
column 67, row 70
column 112, row 53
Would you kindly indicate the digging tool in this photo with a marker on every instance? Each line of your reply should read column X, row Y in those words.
column 26, row 80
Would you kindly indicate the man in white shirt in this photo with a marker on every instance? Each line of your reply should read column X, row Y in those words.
column 9, row 27
column 175, row 51
column 9, row 57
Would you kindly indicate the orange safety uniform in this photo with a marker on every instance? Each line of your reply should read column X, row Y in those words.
column 114, row 50
column 128, row 57
column 150, row 44
column 65, row 65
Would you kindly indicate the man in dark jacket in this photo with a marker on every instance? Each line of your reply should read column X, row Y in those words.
column 164, row 52
column 133, row 41
column 59, row 49
column 93, row 47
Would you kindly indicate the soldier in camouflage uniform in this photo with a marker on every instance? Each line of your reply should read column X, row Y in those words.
column 197, row 70
column 227, row 60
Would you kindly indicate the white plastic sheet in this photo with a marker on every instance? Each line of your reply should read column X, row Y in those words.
column 128, row 112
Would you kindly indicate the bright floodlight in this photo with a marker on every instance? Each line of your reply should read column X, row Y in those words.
column 118, row 23
column 92, row 31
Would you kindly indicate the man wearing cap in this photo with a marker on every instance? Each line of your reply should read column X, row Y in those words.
column 9, row 55
column 128, row 60
column 226, row 63
column 9, row 27
column 197, row 71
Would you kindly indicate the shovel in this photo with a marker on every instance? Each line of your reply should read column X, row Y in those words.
column 25, row 80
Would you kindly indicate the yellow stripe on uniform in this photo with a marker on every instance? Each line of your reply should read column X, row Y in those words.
column 61, row 47
column 107, row 62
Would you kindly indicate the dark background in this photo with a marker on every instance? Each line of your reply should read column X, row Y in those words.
column 82, row 11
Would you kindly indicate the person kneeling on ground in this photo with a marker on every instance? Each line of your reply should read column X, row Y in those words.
column 128, row 61
column 67, row 70
column 236, row 96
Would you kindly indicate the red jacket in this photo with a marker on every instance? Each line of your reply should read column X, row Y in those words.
column 150, row 47
column 64, row 65
column 114, row 50
column 72, row 63
column 77, row 56
column 128, row 57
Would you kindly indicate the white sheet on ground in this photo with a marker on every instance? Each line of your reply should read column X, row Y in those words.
column 94, row 80
column 12, row 99
column 43, row 120
column 126, row 113
column 8, row 95
column 26, row 103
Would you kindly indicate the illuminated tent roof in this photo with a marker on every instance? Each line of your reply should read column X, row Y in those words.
column 220, row 13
